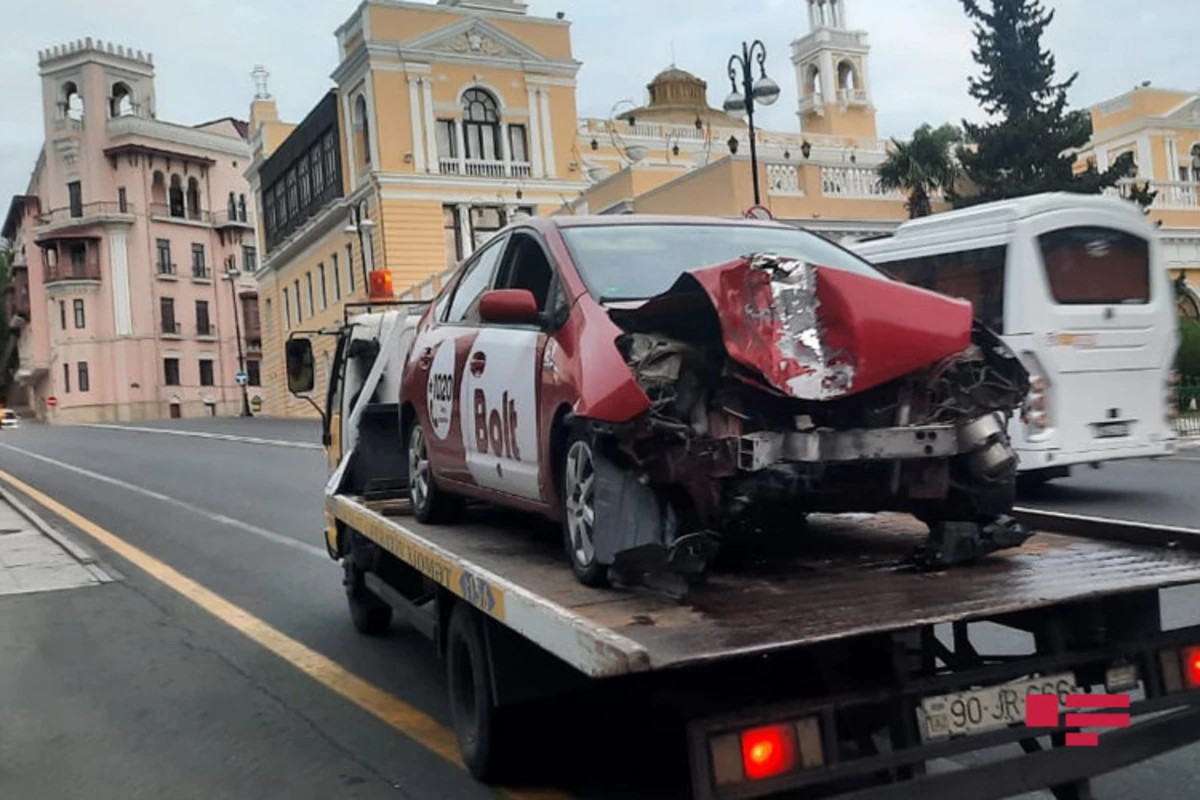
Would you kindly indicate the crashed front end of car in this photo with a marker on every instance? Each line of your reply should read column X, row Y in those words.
column 778, row 388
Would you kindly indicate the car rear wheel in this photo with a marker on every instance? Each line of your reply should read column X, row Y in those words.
column 429, row 503
column 578, row 483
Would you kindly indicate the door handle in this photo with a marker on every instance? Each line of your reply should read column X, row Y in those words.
column 478, row 362
column 426, row 358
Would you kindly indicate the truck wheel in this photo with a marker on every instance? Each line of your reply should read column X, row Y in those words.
column 371, row 616
column 577, row 481
column 429, row 503
column 484, row 739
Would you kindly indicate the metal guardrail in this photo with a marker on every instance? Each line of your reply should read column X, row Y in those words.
column 83, row 212
column 1187, row 423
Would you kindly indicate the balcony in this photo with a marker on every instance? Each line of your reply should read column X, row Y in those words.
column 852, row 97
column 233, row 219
column 784, row 179
column 253, row 343
column 171, row 329
column 478, row 168
column 166, row 271
column 165, row 212
column 812, row 103
column 1172, row 195
column 855, row 183
column 206, row 332
column 86, row 270
column 201, row 273
column 58, row 220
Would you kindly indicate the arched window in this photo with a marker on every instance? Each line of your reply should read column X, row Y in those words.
column 193, row 198
column 121, row 103
column 176, row 196
column 814, row 83
column 72, row 101
column 364, row 133
column 847, row 76
column 481, row 125
column 158, row 190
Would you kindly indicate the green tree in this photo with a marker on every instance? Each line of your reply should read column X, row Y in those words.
column 1029, row 145
column 921, row 166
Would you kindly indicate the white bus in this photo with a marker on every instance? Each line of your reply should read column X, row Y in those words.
column 1075, row 286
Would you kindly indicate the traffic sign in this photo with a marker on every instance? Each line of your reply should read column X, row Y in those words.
column 759, row 212
column 242, row 378
column 52, row 401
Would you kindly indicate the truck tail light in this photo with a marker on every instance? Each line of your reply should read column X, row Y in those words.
column 1180, row 668
column 768, row 751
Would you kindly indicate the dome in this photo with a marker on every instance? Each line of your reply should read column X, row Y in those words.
column 677, row 87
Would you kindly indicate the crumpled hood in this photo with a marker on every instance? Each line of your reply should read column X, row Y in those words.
column 811, row 332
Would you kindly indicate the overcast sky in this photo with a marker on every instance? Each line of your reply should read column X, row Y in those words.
column 920, row 56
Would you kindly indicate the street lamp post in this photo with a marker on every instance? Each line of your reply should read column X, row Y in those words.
column 232, row 273
column 361, row 225
column 750, row 93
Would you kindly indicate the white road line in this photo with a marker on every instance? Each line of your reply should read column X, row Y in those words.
column 1181, row 458
column 272, row 536
column 225, row 437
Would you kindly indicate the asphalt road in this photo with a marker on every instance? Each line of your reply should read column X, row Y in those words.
column 129, row 690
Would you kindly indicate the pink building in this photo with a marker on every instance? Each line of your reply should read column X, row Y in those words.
column 131, row 244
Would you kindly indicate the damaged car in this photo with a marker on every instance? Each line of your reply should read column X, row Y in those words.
column 668, row 388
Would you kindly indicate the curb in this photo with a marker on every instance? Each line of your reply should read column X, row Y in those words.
column 83, row 556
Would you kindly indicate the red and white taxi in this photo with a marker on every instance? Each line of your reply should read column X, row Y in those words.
column 602, row 371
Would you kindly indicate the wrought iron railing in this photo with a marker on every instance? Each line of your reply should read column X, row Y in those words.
column 1187, row 423
column 87, row 270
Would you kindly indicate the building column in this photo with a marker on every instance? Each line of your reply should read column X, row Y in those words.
column 505, row 149
column 461, row 142
column 548, row 135
column 430, row 126
column 415, row 114
column 118, row 261
column 464, row 229
column 829, row 91
column 535, row 134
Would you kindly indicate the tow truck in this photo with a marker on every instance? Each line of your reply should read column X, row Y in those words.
column 839, row 671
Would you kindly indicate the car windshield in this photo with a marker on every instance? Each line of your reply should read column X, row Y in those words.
column 635, row 262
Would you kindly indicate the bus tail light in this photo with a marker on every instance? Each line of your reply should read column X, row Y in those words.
column 1036, row 413
column 768, row 751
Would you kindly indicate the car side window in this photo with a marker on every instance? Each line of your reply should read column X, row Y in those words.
column 475, row 280
column 525, row 266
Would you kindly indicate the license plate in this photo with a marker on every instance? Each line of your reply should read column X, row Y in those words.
column 1112, row 430
column 986, row 709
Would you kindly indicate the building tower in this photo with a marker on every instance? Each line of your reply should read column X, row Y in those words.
column 831, row 73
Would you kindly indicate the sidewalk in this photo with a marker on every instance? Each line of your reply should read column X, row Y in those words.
column 36, row 558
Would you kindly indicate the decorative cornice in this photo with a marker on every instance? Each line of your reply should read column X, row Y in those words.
column 177, row 134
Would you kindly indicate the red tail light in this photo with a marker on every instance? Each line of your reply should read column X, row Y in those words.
column 1191, row 667
column 769, row 751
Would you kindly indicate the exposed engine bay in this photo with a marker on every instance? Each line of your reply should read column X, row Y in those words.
column 776, row 392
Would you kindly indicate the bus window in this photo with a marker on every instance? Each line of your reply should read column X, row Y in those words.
column 973, row 275
column 1096, row 266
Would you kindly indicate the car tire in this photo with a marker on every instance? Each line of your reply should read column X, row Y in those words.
column 576, row 481
column 430, row 504
column 486, row 738
column 371, row 615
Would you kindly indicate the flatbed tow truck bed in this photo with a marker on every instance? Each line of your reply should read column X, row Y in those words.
column 849, row 579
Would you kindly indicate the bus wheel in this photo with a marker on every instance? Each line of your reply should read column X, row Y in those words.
column 371, row 616
column 485, row 740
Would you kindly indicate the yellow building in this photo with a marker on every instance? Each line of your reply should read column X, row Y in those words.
column 677, row 155
column 446, row 121
column 1161, row 127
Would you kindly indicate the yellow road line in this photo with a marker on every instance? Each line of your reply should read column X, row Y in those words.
column 415, row 724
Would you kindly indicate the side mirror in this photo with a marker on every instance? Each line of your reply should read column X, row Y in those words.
column 509, row 307
column 301, row 375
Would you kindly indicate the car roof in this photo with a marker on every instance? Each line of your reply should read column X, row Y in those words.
column 623, row 220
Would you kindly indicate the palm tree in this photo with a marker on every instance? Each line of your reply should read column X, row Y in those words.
column 922, row 166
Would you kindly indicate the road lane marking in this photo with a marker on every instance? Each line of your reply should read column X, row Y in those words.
column 225, row 437
column 384, row 706
column 272, row 536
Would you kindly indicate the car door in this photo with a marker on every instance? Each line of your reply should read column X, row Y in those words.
column 499, row 397
column 440, row 354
